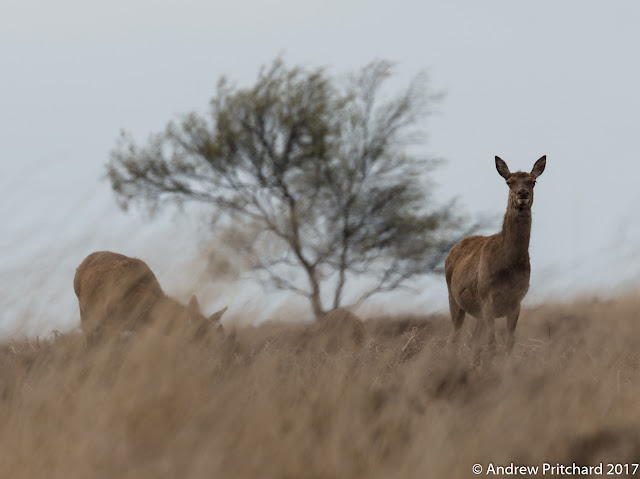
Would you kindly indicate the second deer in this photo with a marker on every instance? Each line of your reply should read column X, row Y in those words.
column 121, row 293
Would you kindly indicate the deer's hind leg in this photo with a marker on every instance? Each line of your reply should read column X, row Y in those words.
column 512, row 322
column 457, row 318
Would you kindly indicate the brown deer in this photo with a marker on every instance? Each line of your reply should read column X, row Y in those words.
column 488, row 276
column 118, row 292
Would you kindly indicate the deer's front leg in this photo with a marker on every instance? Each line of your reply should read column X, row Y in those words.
column 488, row 321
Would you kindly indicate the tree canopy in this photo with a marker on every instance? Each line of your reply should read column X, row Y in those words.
column 327, row 170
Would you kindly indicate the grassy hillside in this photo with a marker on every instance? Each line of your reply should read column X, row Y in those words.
column 292, row 401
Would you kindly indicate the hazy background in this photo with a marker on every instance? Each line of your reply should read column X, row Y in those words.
column 523, row 79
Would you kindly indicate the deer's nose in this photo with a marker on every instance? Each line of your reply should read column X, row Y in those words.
column 523, row 194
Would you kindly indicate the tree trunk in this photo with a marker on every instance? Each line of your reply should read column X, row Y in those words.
column 316, row 304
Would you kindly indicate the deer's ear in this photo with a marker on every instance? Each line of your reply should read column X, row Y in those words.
column 215, row 317
column 538, row 168
column 193, row 305
column 502, row 168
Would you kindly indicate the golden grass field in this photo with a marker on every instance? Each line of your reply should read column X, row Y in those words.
column 287, row 400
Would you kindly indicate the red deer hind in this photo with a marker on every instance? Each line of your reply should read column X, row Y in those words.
column 488, row 276
column 115, row 291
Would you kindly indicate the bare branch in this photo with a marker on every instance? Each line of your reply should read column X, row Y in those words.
column 323, row 169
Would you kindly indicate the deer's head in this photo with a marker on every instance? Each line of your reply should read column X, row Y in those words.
column 521, row 183
column 168, row 309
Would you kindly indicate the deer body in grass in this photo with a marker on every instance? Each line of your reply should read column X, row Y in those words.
column 118, row 292
column 488, row 276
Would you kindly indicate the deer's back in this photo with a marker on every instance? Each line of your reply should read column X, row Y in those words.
column 110, row 284
column 462, row 272
column 464, row 257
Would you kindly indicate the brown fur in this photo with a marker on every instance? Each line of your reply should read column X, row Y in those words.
column 488, row 276
column 115, row 291
column 342, row 328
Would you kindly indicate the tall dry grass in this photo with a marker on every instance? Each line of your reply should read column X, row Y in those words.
column 293, row 401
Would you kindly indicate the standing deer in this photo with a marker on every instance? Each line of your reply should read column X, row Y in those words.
column 488, row 276
column 118, row 292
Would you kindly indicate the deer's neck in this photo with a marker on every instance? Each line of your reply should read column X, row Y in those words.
column 516, row 233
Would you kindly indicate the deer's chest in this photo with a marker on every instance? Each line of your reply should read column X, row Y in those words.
column 505, row 286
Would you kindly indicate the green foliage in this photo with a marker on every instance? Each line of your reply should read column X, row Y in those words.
column 323, row 167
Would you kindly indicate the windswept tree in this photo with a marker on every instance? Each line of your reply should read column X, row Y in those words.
column 326, row 170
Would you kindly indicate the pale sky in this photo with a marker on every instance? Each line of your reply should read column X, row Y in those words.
column 522, row 79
